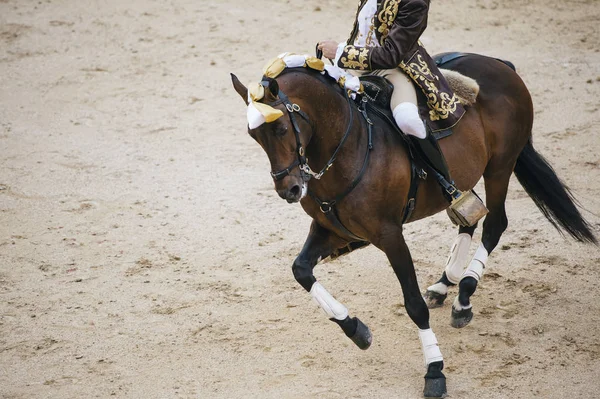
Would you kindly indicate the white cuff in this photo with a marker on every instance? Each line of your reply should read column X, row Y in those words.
column 338, row 53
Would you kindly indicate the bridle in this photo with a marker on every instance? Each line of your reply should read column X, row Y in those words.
column 326, row 206
column 301, row 161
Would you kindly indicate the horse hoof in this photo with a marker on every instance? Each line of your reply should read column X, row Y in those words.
column 434, row 299
column 461, row 318
column 435, row 388
column 362, row 337
column 435, row 381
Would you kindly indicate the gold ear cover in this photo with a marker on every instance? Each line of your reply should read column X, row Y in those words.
column 256, row 91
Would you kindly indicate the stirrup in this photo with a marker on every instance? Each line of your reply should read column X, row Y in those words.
column 467, row 209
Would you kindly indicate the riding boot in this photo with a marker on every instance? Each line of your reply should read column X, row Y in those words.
column 466, row 208
column 435, row 158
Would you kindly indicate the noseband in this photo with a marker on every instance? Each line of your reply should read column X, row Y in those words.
column 301, row 161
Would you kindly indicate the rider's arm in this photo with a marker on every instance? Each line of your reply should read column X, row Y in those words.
column 403, row 35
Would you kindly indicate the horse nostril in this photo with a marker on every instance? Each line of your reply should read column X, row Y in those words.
column 295, row 191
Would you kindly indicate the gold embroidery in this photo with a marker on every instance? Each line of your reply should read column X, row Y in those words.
column 357, row 58
column 387, row 15
column 418, row 69
column 371, row 33
column 441, row 105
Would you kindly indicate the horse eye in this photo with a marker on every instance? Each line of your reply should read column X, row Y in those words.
column 281, row 131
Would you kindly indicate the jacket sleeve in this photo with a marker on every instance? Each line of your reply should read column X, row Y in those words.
column 407, row 27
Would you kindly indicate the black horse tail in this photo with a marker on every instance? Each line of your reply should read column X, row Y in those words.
column 551, row 196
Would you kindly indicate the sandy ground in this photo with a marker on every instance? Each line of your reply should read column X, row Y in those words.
column 144, row 253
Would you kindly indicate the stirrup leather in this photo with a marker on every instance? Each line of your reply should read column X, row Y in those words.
column 466, row 209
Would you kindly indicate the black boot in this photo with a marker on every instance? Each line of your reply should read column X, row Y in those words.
column 434, row 157
column 466, row 208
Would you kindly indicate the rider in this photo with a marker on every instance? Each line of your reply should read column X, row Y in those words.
column 385, row 41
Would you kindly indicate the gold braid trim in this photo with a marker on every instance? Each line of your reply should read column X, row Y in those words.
column 355, row 58
column 441, row 104
column 387, row 15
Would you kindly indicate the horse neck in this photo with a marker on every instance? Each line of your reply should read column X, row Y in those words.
column 329, row 113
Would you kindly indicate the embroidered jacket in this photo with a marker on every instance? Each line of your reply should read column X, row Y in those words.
column 398, row 25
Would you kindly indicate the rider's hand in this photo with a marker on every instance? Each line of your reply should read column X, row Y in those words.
column 329, row 48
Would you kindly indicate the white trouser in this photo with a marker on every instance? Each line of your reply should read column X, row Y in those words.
column 403, row 102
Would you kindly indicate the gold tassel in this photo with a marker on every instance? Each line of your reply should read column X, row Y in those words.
column 274, row 68
column 315, row 63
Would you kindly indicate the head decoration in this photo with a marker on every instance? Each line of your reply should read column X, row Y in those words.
column 259, row 113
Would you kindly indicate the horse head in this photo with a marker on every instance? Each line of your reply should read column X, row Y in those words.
column 280, row 136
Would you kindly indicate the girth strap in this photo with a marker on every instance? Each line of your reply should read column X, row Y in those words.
column 417, row 173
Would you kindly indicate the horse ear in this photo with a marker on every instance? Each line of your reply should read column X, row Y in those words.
column 240, row 88
column 273, row 88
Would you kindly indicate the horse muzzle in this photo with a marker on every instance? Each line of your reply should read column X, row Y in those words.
column 291, row 194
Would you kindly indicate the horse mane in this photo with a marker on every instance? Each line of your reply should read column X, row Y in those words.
column 323, row 78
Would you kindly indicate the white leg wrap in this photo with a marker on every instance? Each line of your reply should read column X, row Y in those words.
column 440, row 288
column 429, row 343
column 458, row 307
column 328, row 303
column 477, row 265
column 408, row 119
column 458, row 257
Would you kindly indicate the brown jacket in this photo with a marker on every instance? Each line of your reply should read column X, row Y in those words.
column 398, row 25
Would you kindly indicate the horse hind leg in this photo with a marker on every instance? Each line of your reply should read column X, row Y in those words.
column 437, row 293
column 495, row 223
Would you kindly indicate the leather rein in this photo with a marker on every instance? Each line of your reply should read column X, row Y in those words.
column 327, row 207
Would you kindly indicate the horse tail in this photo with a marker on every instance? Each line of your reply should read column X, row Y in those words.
column 550, row 194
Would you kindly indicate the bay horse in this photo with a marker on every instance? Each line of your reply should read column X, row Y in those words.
column 368, row 179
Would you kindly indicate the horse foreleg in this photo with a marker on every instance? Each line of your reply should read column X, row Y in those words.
column 394, row 246
column 319, row 244
column 496, row 187
column 437, row 293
